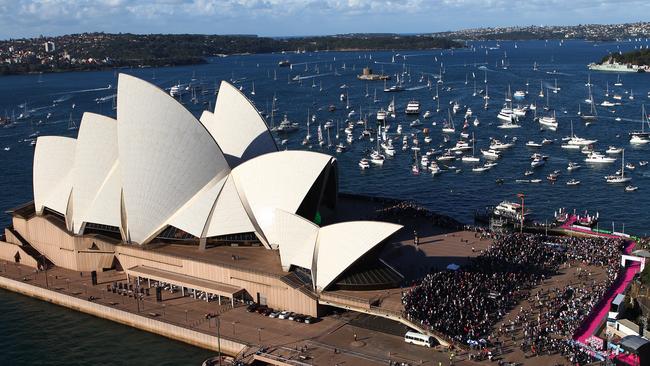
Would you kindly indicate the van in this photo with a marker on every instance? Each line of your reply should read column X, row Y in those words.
column 419, row 339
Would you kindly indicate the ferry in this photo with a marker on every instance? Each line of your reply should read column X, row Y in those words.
column 413, row 107
column 511, row 210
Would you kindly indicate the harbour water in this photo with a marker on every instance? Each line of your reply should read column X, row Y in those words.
column 314, row 83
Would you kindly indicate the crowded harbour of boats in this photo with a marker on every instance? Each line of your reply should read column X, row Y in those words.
column 448, row 114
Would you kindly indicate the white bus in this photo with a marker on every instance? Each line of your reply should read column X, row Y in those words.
column 419, row 339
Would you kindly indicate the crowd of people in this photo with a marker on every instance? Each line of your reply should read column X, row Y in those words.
column 395, row 211
column 468, row 304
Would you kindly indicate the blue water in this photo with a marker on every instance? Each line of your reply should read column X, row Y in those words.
column 458, row 195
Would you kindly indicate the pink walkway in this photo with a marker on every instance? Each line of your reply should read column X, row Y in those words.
column 599, row 312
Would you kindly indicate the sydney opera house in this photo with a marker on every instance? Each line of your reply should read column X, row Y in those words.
column 208, row 204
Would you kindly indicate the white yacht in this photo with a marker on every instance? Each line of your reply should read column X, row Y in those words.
column 287, row 126
column 548, row 121
column 381, row 115
column 614, row 150
column 364, row 163
column 607, row 103
column 598, row 158
column 579, row 141
column 506, row 114
column 413, row 107
column 520, row 94
column 377, row 158
column 573, row 166
column 448, row 126
column 573, row 182
column 533, row 144
column 491, row 153
column 498, row 145
column 537, row 162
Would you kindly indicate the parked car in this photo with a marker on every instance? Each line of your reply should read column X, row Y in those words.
column 291, row 315
column 310, row 320
column 251, row 308
column 274, row 314
column 261, row 309
column 283, row 315
column 299, row 318
column 267, row 311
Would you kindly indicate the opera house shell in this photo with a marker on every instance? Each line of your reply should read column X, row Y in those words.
column 157, row 169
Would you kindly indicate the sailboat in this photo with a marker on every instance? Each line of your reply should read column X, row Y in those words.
column 321, row 141
column 448, row 126
column 619, row 177
column 541, row 89
column 473, row 158
column 308, row 136
column 253, row 91
column 618, row 81
column 71, row 123
column 592, row 115
column 641, row 137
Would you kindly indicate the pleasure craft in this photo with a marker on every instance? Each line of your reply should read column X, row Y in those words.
column 607, row 103
column 520, row 94
column 579, row 141
column 491, row 154
column 377, row 158
column 434, row 168
column 364, row 163
column 427, row 114
column 480, row 168
column 447, row 156
column 643, row 163
column 570, row 147
column 413, row 107
column 573, row 166
column 498, row 145
column 509, row 125
column 528, row 172
column 416, row 123
column 537, row 162
column 468, row 113
column 546, row 141
column 287, row 126
column 573, row 182
column 596, row 157
column 506, row 114
column 533, row 144
column 631, row 188
column 614, row 150
column 476, row 122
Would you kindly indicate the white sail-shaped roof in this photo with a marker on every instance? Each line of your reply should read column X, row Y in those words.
column 278, row 180
column 53, row 161
column 95, row 156
column 237, row 126
column 105, row 208
column 192, row 218
column 295, row 237
column 340, row 245
column 166, row 156
column 229, row 215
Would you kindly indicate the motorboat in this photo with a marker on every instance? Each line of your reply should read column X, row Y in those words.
column 491, row 154
column 570, row 147
column 434, row 168
column 533, row 144
column 537, row 162
column 468, row 113
column 509, row 125
column 573, row 182
column 413, row 107
column 498, row 145
column 427, row 114
column 643, row 163
column 416, row 123
column 607, row 103
column 579, row 141
column 480, row 168
column 598, row 158
column 364, row 163
column 519, row 94
column 476, row 122
column 573, row 166
column 528, row 172
column 506, row 114
column 546, row 141
column 511, row 210
column 377, row 158
column 631, row 188
column 287, row 126
column 614, row 150
column 446, row 156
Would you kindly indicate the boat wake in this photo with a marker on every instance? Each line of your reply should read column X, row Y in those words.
column 84, row 90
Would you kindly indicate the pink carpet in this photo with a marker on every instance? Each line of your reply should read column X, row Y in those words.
column 599, row 312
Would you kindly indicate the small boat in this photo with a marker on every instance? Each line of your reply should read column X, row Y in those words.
column 573, row 182
column 427, row 114
column 7, row 148
column 546, row 141
column 573, row 166
column 480, row 168
column 364, row 163
column 552, row 177
column 643, row 163
column 491, row 153
column 614, row 150
column 434, row 168
column 528, row 172
column 533, row 144
column 537, row 162
column 596, row 157
column 631, row 188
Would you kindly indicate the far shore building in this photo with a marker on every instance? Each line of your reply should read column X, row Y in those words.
column 207, row 204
